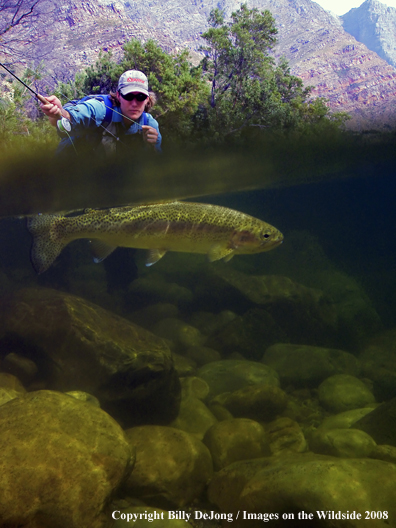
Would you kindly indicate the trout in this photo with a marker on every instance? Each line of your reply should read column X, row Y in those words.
column 190, row 227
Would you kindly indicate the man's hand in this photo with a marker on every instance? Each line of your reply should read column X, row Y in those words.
column 54, row 109
column 150, row 134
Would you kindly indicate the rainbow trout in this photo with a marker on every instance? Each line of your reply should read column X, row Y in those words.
column 216, row 231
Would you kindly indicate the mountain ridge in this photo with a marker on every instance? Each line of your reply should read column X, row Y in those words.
column 319, row 50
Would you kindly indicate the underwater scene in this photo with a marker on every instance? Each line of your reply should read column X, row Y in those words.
column 200, row 341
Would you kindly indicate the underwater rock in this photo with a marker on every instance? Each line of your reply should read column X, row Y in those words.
column 80, row 346
column 85, row 397
column 380, row 423
column 343, row 392
column 9, row 381
column 150, row 315
column 308, row 366
column 202, row 355
column 183, row 365
column 7, row 394
column 289, row 311
column 61, row 460
column 345, row 419
column 194, row 417
column 248, row 336
column 236, row 439
column 10, row 388
column 154, row 289
column 306, row 482
column 23, row 368
column 232, row 374
column 285, row 436
column 357, row 318
column 172, row 467
column 209, row 323
column 346, row 443
column 258, row 402
column 195, row 387
column 384, row 452
column 378, row 360
column 182, row 334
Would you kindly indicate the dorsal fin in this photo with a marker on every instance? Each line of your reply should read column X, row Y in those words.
column 100, row 250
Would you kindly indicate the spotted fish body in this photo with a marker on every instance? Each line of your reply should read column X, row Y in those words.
column 216, row 231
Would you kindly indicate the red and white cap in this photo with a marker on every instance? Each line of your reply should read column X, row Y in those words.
column 133, row 81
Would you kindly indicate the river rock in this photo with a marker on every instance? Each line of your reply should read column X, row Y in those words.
column 306, row 482
column 258, row 402
column 232, row 374
column 61, row 461
column 172, row 467
column 343, row 392
column 183, row 334
column 194, row 417
column 285, row 436
column 380, row 423
column 345, row 419
column 346, row 443
column 275, row 309
column 308, row 366
column 80, row 346
column 378, row 360
column 236, row 439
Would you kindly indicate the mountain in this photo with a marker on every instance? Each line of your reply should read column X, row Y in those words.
column 374, row 24
column 319, row 50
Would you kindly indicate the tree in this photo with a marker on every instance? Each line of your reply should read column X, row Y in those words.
column 249, row 92
column 179, row 87
column 22, row 23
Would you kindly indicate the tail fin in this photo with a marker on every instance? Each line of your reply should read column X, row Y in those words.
column 45, row 247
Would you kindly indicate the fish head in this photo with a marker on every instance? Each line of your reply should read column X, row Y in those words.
column 256, row 239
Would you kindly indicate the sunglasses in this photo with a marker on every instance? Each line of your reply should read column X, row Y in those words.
column 131, row 96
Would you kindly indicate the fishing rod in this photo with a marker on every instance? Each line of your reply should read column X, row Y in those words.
column 41, row 98
column 64, row 123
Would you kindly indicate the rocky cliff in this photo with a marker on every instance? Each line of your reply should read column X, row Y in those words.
column 319, row 50
column 374, row 24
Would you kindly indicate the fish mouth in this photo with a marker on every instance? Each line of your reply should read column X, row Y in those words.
column 273, row 243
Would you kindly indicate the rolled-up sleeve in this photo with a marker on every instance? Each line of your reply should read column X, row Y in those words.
column 87, row 114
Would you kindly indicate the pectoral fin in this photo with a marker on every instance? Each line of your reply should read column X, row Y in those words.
column 219, row 252
column 100, row 250
column 154, row 256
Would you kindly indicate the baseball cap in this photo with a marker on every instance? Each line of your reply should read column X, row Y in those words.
column 133, row 81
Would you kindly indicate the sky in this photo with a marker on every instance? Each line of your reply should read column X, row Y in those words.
column 340, row 7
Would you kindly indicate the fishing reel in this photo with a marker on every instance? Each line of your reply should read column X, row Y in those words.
column 63, row 125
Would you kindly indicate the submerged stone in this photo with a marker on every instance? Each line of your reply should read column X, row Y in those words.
column 61, row 461
column 236, row 439
column 346, row 443
column 343, row 392
column 258, row 402
column 172, row 467
column 380, row 423
column 308, row 366
column 80, row 346
column 310, row 483
column 232, row 374
column 275, row 309
column 285, row 436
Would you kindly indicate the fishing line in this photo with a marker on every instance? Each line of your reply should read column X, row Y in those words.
column 43, row 100
column 39, row 97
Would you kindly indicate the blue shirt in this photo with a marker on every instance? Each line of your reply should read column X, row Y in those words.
column 91, row 114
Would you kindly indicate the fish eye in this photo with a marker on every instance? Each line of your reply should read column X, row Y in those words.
column 265, row 235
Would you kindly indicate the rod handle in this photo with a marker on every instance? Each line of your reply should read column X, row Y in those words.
column 42, row 99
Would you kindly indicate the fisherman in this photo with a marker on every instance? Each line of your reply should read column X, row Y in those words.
column 83, row 125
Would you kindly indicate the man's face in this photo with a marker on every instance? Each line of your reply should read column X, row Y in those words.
column 131, row 106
